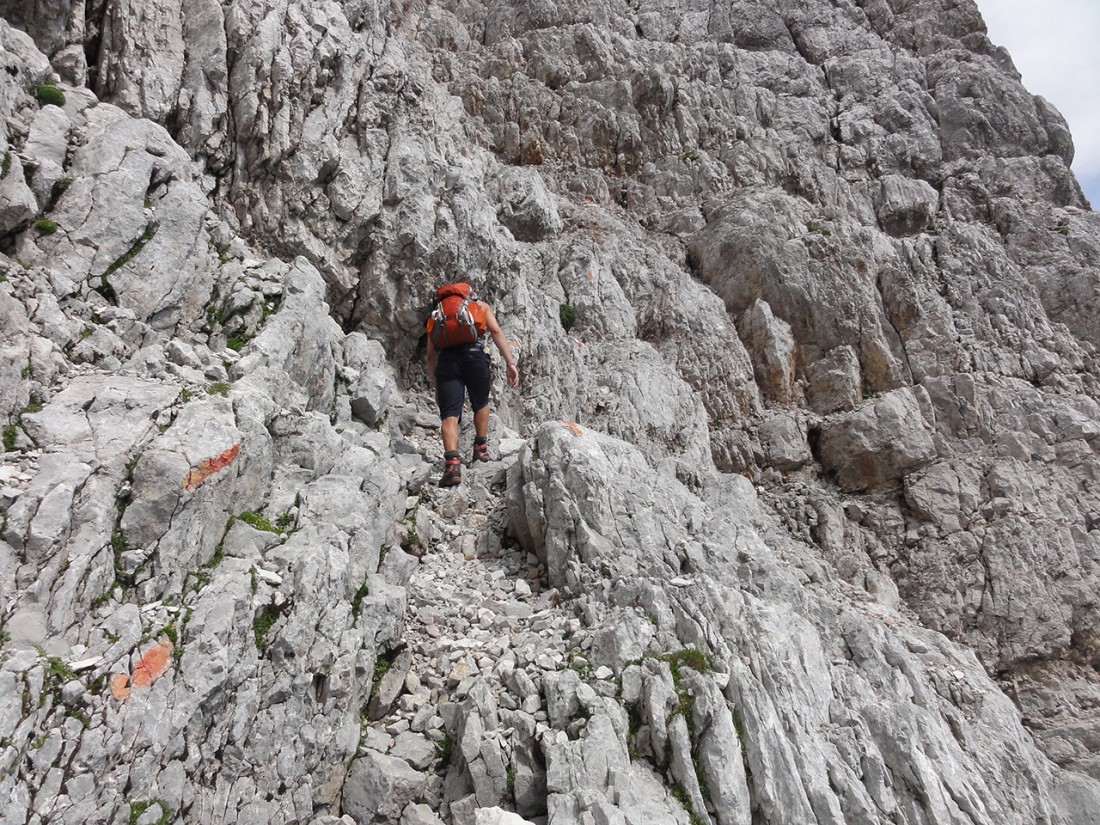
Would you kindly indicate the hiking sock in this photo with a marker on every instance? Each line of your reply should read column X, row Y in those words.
column 481, row 449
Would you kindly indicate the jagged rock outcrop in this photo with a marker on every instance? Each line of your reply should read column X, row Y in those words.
column 794, row 516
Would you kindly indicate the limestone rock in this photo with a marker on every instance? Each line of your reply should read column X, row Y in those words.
column 879, row 443
column 805, row 305
column 379, row 787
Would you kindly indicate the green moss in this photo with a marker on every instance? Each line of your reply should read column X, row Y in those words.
column 5, row 165
column 256, row 520
column 9, row 438
column 45, row 226
column 26, row 371
column 567, row 314
column 218, row 388
column 48, row 93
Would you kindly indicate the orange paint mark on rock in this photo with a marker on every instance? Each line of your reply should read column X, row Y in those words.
column 573, row 428
column 151, row 664
column 120, row 686
column 208, row 466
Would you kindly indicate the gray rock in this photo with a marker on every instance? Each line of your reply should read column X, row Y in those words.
column 759, row 216
column 771, row 345
column 879, row 443
column 379, row 787
column 498, row 816
column 526, row 207
column 835, row 382
column 906, row 206
column 414, row 749
column 420, row 815
column 18, row 205
column 786, row 442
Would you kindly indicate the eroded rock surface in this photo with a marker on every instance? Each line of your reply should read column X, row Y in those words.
column 793, row 516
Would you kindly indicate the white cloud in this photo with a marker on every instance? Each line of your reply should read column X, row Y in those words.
column 1053, row 44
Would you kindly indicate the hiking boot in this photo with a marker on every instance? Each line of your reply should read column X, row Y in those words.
column 481, row 450
column 452, row 472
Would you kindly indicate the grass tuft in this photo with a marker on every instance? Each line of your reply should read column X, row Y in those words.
column 48, row 93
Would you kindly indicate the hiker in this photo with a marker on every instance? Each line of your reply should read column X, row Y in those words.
column 458, row 363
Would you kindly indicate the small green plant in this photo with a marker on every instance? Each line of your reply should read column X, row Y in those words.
column 510, row 780
column 45, row 226
column 262, row 624
column 217, row 558
column 218, row 388
column 186, row 395
column 9, row 438
column 357, row 602
column 5, row 165
column 382, row 666
column 284, row 521
column 444, row 748
column 48, row 93
column 567, row 314
column 256, row 520
column 677, row 791
column 59, row 187
column 129, row 255
column 140, row 807
column 26, row 371
column 236, row 341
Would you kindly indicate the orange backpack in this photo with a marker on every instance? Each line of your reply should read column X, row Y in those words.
column 457, row 317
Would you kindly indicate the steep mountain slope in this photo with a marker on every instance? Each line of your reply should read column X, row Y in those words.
column 801, row 475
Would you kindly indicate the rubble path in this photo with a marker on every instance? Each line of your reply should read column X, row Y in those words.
column 478, row 613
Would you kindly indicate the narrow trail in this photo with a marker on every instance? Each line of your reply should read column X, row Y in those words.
column 482, row 635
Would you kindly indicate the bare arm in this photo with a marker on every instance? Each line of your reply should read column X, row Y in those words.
column 497, row 334
column 432, row 358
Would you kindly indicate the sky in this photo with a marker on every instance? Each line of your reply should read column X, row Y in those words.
column 1055, row 45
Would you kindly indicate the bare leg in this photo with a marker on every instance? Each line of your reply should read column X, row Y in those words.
column 481, row 423
column 449, row 430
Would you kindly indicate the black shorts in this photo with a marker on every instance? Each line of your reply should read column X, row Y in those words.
column 459, row 370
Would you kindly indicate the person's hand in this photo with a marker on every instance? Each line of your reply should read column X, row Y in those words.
column 513, row 375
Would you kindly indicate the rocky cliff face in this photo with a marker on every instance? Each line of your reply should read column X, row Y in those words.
column 796, row 512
